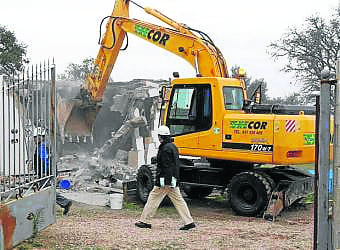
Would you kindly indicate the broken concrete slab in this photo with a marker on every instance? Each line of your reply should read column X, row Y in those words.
column 96, row 199
column 114, row 200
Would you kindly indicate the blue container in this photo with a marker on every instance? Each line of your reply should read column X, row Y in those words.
column 65, row 184
column 330, row 179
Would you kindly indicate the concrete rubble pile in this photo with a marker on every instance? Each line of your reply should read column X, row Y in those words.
column 98, row 171
column 93, row 179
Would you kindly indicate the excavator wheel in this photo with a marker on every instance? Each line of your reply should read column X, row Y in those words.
column 145, row 183
column 193, row 191
column 249, row 193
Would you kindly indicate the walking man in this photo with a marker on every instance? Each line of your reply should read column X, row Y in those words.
column 167, row 177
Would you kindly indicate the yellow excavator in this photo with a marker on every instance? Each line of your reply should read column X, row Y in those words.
column 229, row 137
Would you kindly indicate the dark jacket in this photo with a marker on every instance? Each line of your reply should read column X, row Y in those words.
column 167, row 163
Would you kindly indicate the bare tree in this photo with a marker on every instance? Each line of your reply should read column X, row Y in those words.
column 309, row 49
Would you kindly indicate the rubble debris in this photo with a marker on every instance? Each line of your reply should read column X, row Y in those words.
column 92, row 171
column 119, row 138
column 94, row 175
column 122, row 138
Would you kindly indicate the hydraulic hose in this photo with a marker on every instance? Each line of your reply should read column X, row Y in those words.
column 113, row 34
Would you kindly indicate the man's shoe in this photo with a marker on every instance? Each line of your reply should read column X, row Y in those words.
column 188, row 226
column 67, row 208
column 142, row 224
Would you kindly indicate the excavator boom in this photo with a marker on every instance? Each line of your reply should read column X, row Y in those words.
column 76, row 117
column 111, row 44
column 202, row 55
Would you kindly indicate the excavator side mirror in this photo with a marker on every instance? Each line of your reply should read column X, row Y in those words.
column 164, row 93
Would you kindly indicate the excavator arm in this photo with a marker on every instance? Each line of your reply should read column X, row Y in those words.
column 95, row 82
column 76, row 116
column 203, row 56
column 200, row 52
column 194, row 46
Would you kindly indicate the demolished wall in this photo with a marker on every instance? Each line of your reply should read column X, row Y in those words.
column 123, row 138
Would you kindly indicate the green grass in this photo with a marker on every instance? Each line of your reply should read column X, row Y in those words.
column 171, row 210
column 131, row 206
column 217, row 198
column 309, row 199
column 31, row 243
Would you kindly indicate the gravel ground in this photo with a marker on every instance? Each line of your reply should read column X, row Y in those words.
column 93, row 227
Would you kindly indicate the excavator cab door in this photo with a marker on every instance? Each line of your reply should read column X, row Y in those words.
column 189, row 114
column 189, row 109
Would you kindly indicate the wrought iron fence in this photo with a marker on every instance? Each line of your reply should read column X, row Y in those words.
column 27, row 109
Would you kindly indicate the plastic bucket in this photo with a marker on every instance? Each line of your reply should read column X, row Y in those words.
column 65, row 184
column 116, row 201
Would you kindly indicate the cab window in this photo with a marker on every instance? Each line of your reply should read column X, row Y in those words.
column 233, row 98
column 190, row 109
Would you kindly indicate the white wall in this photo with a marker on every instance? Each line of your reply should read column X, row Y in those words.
column 12, row 145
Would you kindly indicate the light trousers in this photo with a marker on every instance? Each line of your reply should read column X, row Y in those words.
column 155, row 198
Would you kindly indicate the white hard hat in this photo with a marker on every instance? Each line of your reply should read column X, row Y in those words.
column 163, row 130
column 38, row 131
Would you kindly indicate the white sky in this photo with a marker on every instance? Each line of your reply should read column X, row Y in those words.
column 68, row 31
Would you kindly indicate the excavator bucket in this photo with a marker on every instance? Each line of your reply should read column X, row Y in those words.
column 76, row 118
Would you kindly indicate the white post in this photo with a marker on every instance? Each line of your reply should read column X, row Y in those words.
column 336, row 214
column 324, row 162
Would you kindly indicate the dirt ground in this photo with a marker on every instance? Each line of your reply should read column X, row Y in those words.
column 93, row 227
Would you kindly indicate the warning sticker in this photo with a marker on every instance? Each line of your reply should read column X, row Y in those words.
column 290, row 126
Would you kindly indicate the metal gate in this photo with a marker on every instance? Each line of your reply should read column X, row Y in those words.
column 27, row 195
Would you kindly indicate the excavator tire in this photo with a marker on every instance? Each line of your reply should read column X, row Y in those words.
column 145, row 183
column 195, row 192
column 249, row 193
